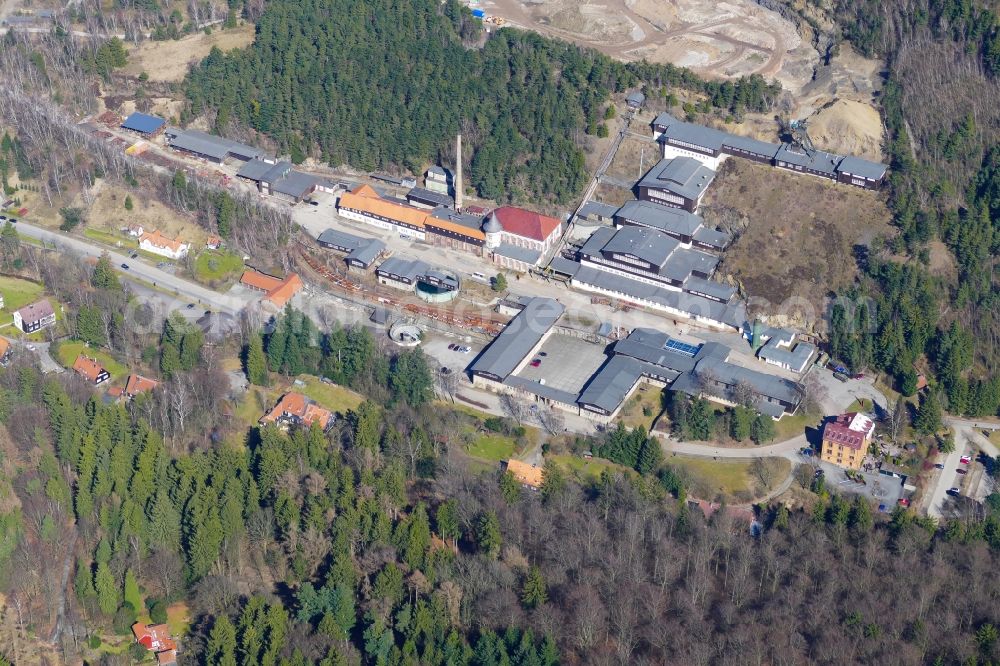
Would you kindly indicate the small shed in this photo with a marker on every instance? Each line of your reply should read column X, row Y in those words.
column 635, row 99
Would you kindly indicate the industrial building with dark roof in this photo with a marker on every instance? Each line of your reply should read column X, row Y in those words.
column 680, row 182
column 144, row 124
column 710, row 146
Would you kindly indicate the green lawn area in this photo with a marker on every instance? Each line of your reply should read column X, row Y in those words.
column 332, row 396
column 730, row 479
column 650, row 399
column 68, row 351
column 108, row 238
column 217, row 265
column 793, row 425
column 16, row 294
column 178, row 619
column 995, row 437
column 863, row 405
column 492, row 447
column 585, row 469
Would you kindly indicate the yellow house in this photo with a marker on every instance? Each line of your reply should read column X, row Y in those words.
column 846, row 440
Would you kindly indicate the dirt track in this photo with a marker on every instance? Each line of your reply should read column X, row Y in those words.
column 721, row 39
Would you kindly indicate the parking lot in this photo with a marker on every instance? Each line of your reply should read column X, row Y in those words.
column 881, row 489
column 565, row 363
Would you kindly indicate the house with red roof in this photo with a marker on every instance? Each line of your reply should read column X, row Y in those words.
column 295, row 409
column 846, row 439
column 137, row 384
column 91, row 370
column 518, row 238
column 156, row 638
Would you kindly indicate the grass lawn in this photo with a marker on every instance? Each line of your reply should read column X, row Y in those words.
column 585, row 469
column 16, row 294
column 178, row 619
column 492, row 447
column 108, row 238
column 213, row 266
column 793, row 425
column 995, row 437
column 729, row 479
column 863, row 405
column 649, row 399
column 68, row 351
column 332, row 396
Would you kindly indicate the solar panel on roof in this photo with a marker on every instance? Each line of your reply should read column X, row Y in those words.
column 679, row 347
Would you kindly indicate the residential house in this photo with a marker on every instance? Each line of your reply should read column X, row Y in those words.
column 133, row 230
column 157, row 243
column 91, row 370
column 846, row 439
column 529, row 476
column 137, row 384
column 34, row 317
column 297, row 409
column 156, row 638
column 213, row 243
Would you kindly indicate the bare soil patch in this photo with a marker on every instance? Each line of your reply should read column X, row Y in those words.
column 170, row 60
column 800, row 231
column 108, row 214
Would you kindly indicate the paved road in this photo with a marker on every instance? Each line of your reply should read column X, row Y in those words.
column 787, row 449
column 184, row 289
column 968, row 438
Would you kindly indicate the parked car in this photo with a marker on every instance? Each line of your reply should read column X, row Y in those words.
column 965, row 460
column 840, row 376
column 904, row 502
column 537, row 362
column 452, row 346
column 133, row 255
column 954, row 492
column 543, row 354
column 124, row 267
column 882, row 508
column 939, row 465
column 465, row 350
column 858, row 375
column 190, row 306
column 961, row 471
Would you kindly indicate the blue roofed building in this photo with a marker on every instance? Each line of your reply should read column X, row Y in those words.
column 144, row 124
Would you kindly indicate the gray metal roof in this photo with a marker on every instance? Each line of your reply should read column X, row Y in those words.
column 781, row 348
column 860, row 167
column 664, row 120
column 684, row 176
column 699, row 135
column 610, row 385
column 518, row 338
column 682, row 262
column 817, row 160
column 518, row 253
column 342, row 239
column 751, row 145
column 710, row 288
column 255, row 169
column 732, row 314
column 662, row 218
column 646, row 244
column 635, row 97
column 451, row 215
column 213, row 146
column 763, row 383
column 141, row 122
column 368, row 252
column 597, row 208
column 561, row 264
column 434, row 198
column 715, row 238
column 405, row 267
column 295, row 184
column 541, row 390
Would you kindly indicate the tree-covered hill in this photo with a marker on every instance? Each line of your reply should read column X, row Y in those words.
column 390, row 82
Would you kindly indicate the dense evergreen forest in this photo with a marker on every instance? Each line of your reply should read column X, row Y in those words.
column 373, row 544
column 388, row 83
column 941, row 107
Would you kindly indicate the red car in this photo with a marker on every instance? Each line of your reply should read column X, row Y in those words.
column 904, row 502
column 537, row 362
column 965, row 460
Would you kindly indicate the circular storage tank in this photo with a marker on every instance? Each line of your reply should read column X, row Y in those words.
column 405, row 335
column 438, row 286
